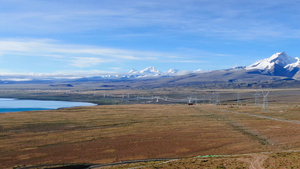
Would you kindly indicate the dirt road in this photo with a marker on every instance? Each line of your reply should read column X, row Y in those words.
column 257, row 161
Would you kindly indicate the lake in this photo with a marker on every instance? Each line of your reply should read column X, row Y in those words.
column 15, row 105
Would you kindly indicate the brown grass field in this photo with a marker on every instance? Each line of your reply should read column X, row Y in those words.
column 108, row 134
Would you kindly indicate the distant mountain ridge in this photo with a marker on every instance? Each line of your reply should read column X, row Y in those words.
column 153, row 72
column 278, row 66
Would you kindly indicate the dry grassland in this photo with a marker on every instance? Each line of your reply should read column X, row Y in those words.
column 284, row 160
column 106, row 134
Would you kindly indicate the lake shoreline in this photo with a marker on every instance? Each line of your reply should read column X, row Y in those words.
column 9, row 105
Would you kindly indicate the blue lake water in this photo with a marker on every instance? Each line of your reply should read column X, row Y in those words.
column 15, row 105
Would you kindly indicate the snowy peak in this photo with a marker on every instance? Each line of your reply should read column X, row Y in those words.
column 281, row 59
column 151, row 70
column 132, row 71
column 172, row 71
column 148, row 71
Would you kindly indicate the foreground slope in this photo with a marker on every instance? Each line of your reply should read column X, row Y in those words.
column 106, row 134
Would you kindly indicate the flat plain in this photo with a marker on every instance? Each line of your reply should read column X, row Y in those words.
column 235, row 136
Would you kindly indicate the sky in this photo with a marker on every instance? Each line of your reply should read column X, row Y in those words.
column 114, row 36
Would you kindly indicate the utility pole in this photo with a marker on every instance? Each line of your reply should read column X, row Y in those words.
column 256, row 103
column 238, row 100
column 265, row 106
column 190, row 99
column 216, row 98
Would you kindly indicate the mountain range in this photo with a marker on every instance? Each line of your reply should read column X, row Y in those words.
column 278, row 66
column 153, row 72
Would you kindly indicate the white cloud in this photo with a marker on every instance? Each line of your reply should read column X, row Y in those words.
column 71, row 74
column 83, row 62
column 230, row 19
column 81, row 56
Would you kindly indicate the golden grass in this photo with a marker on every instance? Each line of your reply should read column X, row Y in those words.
column 105, row 134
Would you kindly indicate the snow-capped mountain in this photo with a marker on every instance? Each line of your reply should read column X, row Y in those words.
column 149, row 71
column 279, row 64
column 281, row 59
column 153, row 72
column 172, row 71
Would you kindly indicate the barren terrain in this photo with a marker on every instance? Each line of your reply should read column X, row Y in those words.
column 242, row 134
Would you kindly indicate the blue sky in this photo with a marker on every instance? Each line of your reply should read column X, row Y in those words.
column 109, row 36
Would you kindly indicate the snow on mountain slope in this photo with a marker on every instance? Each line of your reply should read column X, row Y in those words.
column 294, row 65
column 153, row 72
column 150, row 70
column 132, row 71
column 281, row 59
column 172, row 71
